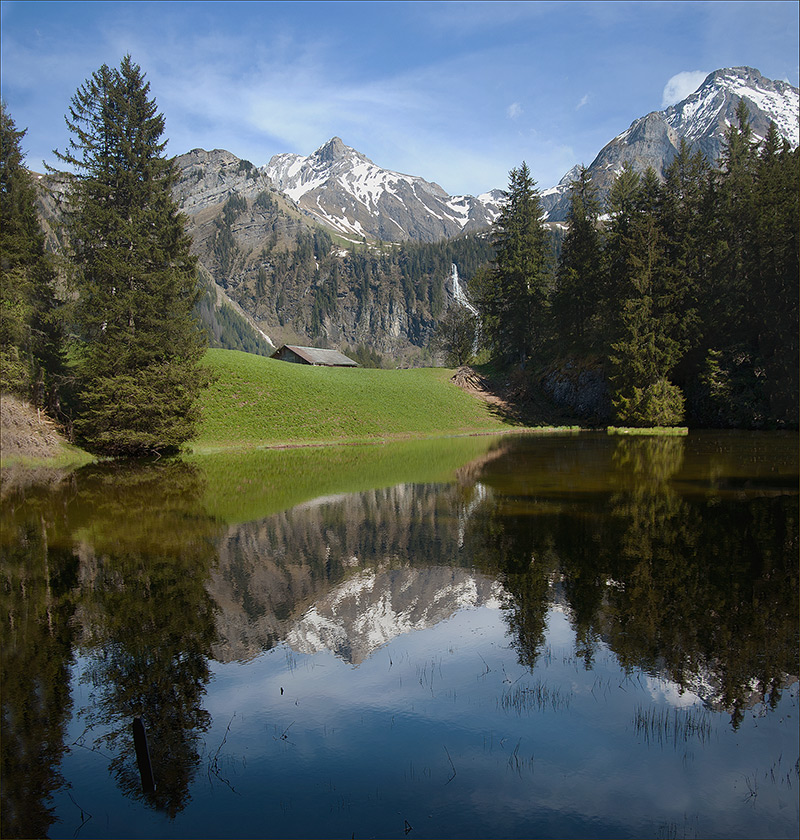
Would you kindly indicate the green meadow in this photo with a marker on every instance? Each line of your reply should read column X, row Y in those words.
column 259, row 402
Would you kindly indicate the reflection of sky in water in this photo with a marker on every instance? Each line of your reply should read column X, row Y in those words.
column 442, row 730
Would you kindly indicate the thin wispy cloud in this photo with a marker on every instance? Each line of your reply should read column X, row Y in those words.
column 584, row 100
column 514, row 111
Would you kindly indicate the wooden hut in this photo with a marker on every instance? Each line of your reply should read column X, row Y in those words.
column 312, row 356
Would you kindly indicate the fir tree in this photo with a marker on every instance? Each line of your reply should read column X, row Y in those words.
column 774, row 272
column 138, row 360
column 579, row 279
column 31, row 341
column 514, row 297
column 646, row 349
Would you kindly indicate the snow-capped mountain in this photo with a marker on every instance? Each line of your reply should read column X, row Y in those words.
column 346, row 191
column 702, row 119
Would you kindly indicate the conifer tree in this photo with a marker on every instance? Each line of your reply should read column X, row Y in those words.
column 140, row 348
column 774, row 272
column 646, row 349
column 579, row 280
column 514, row 297
column 31, row 341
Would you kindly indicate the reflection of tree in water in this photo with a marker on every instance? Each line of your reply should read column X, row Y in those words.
column 701, row 588
column 710, row 589
column 511, row 548
column 149, row 622
column 37, row 605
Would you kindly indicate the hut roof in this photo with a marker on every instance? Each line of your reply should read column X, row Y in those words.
column 316, row 356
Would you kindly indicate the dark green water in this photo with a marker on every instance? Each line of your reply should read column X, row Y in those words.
column 569, row 636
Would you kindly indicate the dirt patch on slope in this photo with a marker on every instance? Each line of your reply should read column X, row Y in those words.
column 515, row 397
column 27, row 432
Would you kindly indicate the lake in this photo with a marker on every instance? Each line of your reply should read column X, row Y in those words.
column 576, row 635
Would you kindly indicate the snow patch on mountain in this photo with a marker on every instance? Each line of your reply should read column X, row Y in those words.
column 348, row 192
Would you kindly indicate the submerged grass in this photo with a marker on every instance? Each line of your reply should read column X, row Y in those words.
column 257, row 401
column 662, row 726
column 536, row 697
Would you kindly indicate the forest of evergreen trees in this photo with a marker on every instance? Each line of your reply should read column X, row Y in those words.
column 684, row 292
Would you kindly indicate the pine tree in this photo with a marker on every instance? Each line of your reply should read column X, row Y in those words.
column 579, row 279
column 646, row 349
column 774, row 272
column 138, row 360
column 514, row 297
column 31, row 340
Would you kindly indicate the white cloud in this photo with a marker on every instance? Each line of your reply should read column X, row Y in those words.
column 682, row 85
column 584, row 100
column 514, row 110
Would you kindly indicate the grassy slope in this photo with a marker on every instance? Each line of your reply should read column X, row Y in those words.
column 263, row 402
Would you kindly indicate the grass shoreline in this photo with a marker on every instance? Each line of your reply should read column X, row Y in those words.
column 256, row 404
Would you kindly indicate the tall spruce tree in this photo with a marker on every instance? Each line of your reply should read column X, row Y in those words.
column 31, row 340
column 646, row 349
column 579, row 279
column 514, row 297
column 775, row 268
column 140, row 347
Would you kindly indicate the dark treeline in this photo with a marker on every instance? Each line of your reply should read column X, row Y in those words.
column 684, row 293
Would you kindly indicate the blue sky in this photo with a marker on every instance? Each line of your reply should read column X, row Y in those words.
column 458, row 93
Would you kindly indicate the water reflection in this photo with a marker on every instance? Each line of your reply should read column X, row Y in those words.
column 679, row 584
column 679, row 555
column 147, row 621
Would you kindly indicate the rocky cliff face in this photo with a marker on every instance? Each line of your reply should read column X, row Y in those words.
column 289, row 274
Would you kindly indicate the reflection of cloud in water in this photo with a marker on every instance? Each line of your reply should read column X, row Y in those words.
column 368, row 610
column 669, row 692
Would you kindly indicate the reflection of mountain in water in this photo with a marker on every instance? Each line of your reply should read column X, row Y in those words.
column 272, row 572
column 639, row 542
column 370, row 609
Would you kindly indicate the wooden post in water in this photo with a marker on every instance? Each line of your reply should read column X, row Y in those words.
column 143, row 756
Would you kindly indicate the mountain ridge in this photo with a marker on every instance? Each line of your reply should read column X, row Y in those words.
column 345, row 191
column 702, row 118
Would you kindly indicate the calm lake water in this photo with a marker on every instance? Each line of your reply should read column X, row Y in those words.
column 561, row 636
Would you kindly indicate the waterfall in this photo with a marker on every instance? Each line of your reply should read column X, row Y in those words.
column 458, row 292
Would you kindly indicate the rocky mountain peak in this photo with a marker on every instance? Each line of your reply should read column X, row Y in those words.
column 701, row 119
column 333, row 150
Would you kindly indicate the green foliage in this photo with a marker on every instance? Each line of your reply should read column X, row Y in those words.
column 31, row 327
column 580, row 280
column 647, row 346
column 514, row 296
column 139, row 347
column 657, row 404
column 455, row 336
column 365, row 356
